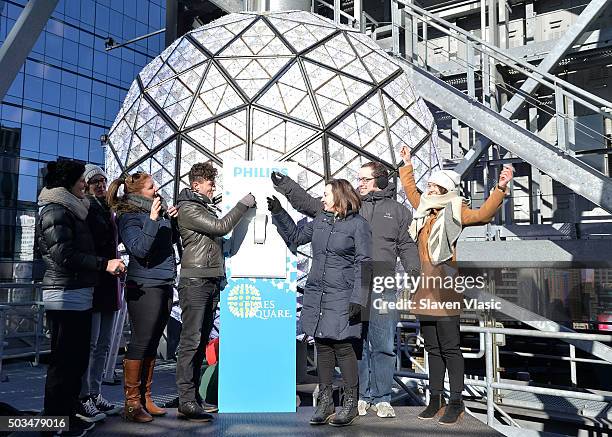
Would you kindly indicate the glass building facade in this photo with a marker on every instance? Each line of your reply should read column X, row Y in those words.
column 65, row 97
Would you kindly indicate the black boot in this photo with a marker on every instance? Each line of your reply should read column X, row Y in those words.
column 454, row 412
column 325, row 406
column 192, row 411
column 349, row 412
column 435, row 407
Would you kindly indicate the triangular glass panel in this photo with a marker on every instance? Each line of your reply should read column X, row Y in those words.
column 185, row 56
column 339, row 155
column 401, row 91
column 253, row 74
column 410, row 132
column 380, row 66
column 258, row 40
column 216, row 96
column 289, row 95
column 311, row 158
column 263, row 153
column 190, row 156
column 304, row 17
column 337, row 94
column 304, row 36
column 339, row 54
column 277, row 134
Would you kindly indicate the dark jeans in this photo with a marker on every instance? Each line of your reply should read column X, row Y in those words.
column 149, row 309
column 70, row 337
column 377, row 364
column 442, row 343
column 198, row 298
column 327, row 353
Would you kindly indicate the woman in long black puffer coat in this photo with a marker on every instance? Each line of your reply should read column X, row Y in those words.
column 336, row 290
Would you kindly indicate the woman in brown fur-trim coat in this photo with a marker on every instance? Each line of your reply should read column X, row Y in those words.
column 440, row 216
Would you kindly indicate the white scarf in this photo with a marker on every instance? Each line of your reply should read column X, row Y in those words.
column 61, row 196
column 446, row 228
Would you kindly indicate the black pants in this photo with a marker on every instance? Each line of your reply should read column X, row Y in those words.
column 149, row 309
column 442, row 343
column 198, row 298
column 327, row 353
column 70, row 337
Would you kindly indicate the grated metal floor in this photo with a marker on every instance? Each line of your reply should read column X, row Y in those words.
column 25, row 386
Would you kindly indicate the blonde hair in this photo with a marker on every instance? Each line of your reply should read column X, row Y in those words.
column 133, row 183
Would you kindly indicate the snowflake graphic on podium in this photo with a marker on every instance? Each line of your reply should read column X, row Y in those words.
column 287, row 86
column 244, row 300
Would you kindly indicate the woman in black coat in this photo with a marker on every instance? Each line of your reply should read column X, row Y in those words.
column 72, row 268
column 336, row 290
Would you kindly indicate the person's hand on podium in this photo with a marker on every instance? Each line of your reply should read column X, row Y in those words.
column 249, row 201
column 277, row 177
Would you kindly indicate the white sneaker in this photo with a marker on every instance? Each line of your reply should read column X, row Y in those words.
column 362, row 407
column 384, row 409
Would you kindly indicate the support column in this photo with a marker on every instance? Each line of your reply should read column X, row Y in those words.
column 20, row 40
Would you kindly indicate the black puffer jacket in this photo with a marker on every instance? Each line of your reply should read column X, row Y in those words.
column 68, row 249
column 388, row 219
column 202, row 234
column 104, row 231
column 341, row 252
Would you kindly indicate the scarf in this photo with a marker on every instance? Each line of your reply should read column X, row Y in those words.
column 446, row 228
column 137, row 203
column 61, row 196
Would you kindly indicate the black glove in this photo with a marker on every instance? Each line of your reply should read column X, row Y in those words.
column 277, row 177
column 355, row 312
column 274, row 205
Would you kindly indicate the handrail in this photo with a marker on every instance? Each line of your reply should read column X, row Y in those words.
column 490, row 383
column 552, row 79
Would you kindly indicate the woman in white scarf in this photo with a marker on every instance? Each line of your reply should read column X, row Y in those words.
column 440, row 216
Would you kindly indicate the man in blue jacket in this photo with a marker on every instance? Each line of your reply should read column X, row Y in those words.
column 389, row 221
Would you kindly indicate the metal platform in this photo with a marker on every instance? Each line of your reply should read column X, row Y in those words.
column 25, row 387
column 406, row 423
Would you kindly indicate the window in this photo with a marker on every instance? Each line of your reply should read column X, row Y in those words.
column 28, row 188
column 53, row 46
column 48, row 141
column 33, row 89
column 51, row 94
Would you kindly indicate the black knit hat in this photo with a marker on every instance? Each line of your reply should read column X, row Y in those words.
column 63, row 173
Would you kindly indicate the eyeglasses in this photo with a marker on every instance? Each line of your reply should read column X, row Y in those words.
column 364, row 180
column 101, row 181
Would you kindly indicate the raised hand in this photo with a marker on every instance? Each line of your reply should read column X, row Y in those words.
column 405, row 155
column 277, row 177
column 155, row 209
column 274, row 205
column 505, row 176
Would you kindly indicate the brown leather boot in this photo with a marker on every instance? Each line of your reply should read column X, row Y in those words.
column 133, row 410
column 148, row 365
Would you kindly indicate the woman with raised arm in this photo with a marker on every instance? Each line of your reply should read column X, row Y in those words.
column 336, row 291
column 440, row 216
column 145, row 227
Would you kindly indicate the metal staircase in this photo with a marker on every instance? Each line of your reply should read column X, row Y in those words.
column 481, row 62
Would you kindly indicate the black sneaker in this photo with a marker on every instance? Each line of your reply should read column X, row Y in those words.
column 87, row 411
column 77, row 428
column 105, row 406
column 192, row 411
